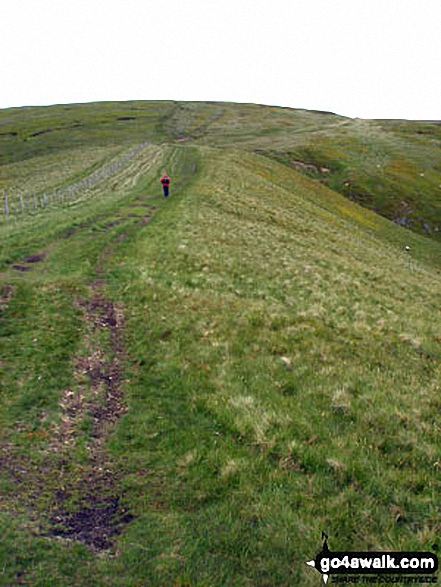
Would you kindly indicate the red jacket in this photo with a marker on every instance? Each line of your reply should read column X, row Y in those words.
column 165, row 180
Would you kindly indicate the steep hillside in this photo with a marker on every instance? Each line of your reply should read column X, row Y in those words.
column 193, row 389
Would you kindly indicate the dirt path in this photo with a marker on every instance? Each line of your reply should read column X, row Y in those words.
column 70, row 493
column 100, row 513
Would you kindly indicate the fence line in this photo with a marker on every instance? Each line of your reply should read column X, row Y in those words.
column 66, row 193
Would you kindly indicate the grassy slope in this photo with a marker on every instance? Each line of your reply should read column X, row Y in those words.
column 282, row 368
column 391, row 167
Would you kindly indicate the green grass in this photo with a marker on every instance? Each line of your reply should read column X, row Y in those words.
column 281, row 362
column 391, row 167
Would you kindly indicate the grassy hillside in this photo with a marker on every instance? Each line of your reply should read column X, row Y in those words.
column 391, row 167
column 194, row 388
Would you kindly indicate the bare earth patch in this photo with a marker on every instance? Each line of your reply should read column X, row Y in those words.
column 35, row 258
column 6, row 296
column 70, row 233
column 98, row 514
column 83, row 500
column 100, row 517
column 63, row 496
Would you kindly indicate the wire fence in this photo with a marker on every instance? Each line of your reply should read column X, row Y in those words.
column 18, row 204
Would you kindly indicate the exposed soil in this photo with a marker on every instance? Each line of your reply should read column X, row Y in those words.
column 113, row 224
column 42, row 132
column 48, row 130
column 98, row 284
column 83, row 499
column 99, row 268
column 6, row 295
column 301, row 166
column 70, row 233
column 29, row 260
column 106, row 400
column 99, row 514
column 34, row 258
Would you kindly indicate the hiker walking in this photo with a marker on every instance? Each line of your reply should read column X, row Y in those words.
column 166, row 181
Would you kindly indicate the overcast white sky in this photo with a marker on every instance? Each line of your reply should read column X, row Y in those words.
column 360, row 58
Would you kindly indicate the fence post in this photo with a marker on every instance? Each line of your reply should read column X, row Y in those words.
column 61, row 195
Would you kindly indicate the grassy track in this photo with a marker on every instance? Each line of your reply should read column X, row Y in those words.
column 215, row 379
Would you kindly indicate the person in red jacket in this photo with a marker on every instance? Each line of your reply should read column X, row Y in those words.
column 166, row 181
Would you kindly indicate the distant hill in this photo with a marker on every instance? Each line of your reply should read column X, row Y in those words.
column 391, row 167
